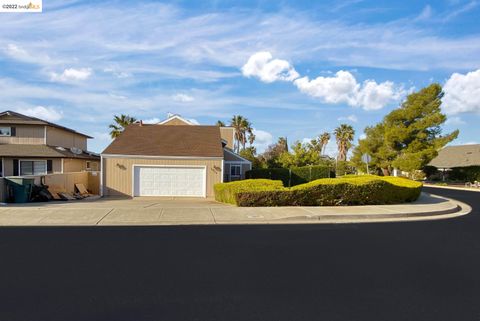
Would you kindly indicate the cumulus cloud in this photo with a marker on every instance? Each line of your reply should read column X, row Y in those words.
column 263, row 66
column 154, row 120
column 351, row 118
column 183, row 98
column 344, row 88
column 462, row 93
column 45, row 113
column 71, row 74
column 262, row 139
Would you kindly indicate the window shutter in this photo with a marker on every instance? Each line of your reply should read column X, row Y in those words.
column 13, row 131
column 15, row 168
column 49, row 166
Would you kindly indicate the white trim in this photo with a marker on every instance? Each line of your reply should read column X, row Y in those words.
column 45, row 135
column 175, row 117
column 184, row 166
column 101, row 175
column 156, row 157
column 223, row 169
column 31, row 160
column 62, row 166
column 235, row 154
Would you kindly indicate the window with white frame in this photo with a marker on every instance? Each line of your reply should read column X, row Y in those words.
column 235, row 170
column 5, row 131
column 30, row 167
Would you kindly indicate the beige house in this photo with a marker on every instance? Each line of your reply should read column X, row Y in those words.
column 32, row 146
column 172, row 158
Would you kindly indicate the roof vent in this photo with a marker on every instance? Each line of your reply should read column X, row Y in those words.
column 60, row 148
column 76, row 150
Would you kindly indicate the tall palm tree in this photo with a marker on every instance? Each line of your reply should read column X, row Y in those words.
column 324, row 138
column 237, row 123
column 119, row 125
column 251, row 137
column 220, row 123
column 344, row 134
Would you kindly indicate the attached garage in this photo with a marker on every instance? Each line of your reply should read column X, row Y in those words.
column 167, row 180
column 158, row 160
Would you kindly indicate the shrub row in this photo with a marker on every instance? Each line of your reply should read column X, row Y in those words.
column 293, row 176
column 227, row 192
column 351, row 190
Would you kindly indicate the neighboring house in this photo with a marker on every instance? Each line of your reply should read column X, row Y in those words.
column 32, row 146
column 457, row 158
column 172, row 158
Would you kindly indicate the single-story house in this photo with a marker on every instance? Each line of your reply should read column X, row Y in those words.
column 172, row 158
column 457, row 159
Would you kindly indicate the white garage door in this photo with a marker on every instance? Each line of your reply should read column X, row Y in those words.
column 169, row 181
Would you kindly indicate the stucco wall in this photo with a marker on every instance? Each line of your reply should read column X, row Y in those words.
column 117, row 172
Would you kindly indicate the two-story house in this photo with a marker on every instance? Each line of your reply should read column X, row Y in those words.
column 32, row 146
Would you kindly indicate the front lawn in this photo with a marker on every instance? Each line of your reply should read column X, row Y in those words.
column 347, row 190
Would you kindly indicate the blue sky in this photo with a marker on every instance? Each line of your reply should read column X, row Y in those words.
column 293, row 68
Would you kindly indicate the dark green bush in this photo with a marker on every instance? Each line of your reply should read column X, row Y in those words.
column 466, row 174
column 291, row 177
column 351, row 190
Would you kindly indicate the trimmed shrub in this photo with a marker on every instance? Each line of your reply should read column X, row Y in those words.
column 351, row 190
column 226, row 192
column 293, row 176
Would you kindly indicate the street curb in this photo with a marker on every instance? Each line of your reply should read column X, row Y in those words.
column 454, row 188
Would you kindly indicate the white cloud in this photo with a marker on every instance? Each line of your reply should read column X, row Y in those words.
column 154, row 120
column 455, row 121
column 45, row 113
column 425, row 14
column 344, row 88
column 71, row 74
column 193, row 121
column 351, row 118
column 268, row 70
column 462, row 93
column 262, row 139
column 183, row 98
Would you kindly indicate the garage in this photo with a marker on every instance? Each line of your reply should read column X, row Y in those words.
column 169, row 181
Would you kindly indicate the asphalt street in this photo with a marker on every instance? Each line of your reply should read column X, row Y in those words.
column 380, row 271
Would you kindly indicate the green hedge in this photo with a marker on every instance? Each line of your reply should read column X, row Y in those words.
column 226, row 192
column 351, row 190
column 293, row 176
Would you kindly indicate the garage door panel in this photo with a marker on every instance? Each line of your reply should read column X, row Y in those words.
column 169, row 181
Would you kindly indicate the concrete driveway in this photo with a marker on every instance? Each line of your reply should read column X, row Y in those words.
column 195, row 211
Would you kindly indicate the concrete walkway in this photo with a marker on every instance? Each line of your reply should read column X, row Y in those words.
column 174, row 211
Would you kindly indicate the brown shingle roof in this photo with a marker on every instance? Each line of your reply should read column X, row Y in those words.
column 24, row 150
column 457, row 156
column 158, row 140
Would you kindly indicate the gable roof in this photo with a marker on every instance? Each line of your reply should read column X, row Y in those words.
column 29, row 120
column 457, row 156
column 175, row 117
column 174, row 140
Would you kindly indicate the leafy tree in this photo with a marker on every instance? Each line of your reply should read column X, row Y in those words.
column 272, row 154
column 120, row 123
column 344, row 135
column 410, row 136
column 220, row 123
column 250, row 154
column 303, row 155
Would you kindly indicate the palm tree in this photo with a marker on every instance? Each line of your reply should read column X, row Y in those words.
column 251, row 137
column 237, row 123
column 220, row 123
column 119, row 125
column 324, row 138
column 344, row 134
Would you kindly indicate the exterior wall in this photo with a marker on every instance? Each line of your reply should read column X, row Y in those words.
column 8, row 164
column 74, row 165
column 175, row 121
column 59, row 137
column 118, row 180
column 25, row 134
column 227, row 134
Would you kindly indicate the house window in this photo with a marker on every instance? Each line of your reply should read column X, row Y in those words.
column 5, row 131
column 235, row 170
column 33, row 167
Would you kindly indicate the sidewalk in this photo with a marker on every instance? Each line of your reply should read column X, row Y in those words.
column 201, row 212
column 460, row 188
